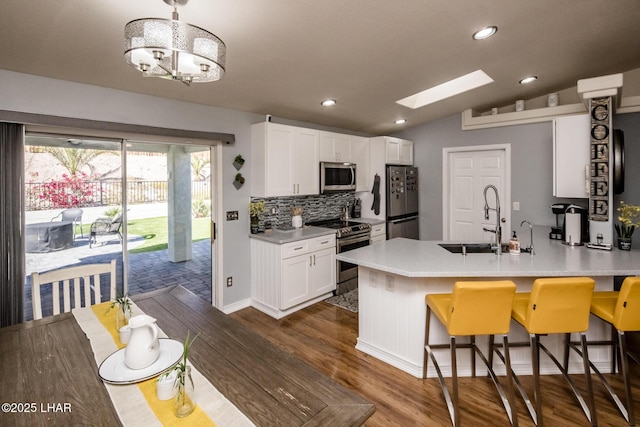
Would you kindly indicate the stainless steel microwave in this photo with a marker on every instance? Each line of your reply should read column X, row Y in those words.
column 336, row 177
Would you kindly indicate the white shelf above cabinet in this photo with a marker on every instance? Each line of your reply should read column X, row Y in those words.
column 471, row 121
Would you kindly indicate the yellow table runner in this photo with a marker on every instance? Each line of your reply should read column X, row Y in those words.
column 137, row 404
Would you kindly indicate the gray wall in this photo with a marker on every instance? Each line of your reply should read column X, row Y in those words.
column 532, row 166
column 26, row 93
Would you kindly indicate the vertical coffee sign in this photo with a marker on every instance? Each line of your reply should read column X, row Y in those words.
column 600, row 148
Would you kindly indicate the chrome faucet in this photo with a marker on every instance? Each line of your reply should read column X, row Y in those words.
column 498, row 229
column 530, row 248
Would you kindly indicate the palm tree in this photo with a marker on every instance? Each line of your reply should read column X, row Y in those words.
column 74, row 159
column 199, row 163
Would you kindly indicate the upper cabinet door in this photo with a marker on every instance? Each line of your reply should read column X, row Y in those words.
column 398, row 151
column 284, row 160
column 280, row 160
column 306, row 163
column 335, row 147
column 571, row 143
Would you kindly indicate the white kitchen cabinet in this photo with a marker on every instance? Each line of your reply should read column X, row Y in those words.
column 571, row 143
column 360, row 153
column 335, row 147
column 398, row 151
column 378, row 233
column 288, row 277
column 284, row 160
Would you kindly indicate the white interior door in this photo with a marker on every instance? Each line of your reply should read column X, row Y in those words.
column 467, row 172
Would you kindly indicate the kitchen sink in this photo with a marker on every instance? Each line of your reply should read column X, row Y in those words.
column 471, row 248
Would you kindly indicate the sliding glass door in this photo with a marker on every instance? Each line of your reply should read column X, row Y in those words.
column 146, row 204
column 71, row 184
column 169, row 210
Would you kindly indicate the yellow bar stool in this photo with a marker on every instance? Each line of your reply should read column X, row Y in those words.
column 474, row 308
column 622, row 311
column 555, row 306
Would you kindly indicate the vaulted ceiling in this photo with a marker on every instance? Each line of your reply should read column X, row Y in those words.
column 285, row 56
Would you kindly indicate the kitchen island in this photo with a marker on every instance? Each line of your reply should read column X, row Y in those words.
column 395, row 275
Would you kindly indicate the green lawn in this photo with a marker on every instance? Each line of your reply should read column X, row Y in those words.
column 154, row 231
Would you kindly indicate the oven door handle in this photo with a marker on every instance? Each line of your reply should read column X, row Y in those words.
column 351, row 240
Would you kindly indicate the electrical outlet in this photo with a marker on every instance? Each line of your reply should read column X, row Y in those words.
column 373, row 279
column 516, row 206
column 389, row 283
column 232, row 215
column 229, row 281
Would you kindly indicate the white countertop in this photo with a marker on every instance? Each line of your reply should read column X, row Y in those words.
column 418, row 258
column 287, row 236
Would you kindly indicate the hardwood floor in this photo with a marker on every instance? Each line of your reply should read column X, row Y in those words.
column 324, row 336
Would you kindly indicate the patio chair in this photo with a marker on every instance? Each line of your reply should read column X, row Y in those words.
column 75, row 216
column 105, row 227
column 85, row 279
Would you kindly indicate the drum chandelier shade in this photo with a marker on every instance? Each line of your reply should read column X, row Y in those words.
column 174, row 50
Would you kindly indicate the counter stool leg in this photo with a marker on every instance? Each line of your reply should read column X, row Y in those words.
column 624, row 368
column 511, row 395
column 454, row 381
column 535, row 358
column 425, row 360
column 473, row 356
column 585, row 360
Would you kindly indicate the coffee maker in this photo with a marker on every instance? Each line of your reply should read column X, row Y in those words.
column 557, row 232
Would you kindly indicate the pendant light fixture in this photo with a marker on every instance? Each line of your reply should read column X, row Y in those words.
column 174, row 50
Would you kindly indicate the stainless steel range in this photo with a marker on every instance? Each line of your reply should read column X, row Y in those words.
column 349, row 235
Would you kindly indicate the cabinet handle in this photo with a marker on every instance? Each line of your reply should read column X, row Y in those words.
column 298, row 248
column 324, row 243
column 310, row 264
column 314, row 260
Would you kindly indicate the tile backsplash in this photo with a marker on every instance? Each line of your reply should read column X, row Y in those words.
column 315, row 208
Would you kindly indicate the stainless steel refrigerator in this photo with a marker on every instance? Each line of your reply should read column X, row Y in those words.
column 402, row 202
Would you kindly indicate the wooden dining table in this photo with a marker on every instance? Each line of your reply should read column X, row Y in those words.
column 48, row 374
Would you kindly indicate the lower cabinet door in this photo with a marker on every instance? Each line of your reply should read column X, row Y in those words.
column 322, row 276
column 295, row 280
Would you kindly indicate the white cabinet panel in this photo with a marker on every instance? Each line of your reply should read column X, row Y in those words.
column 335, row 147
column 360, row 154
column 398, row 151
column 287, row 277
column 571, row 143
column 284, row 160
column 295, row 282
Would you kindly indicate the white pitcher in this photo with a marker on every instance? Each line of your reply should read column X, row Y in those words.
column 143, row 348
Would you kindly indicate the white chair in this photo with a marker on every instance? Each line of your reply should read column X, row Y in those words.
column 82, row 276
column 75, row 216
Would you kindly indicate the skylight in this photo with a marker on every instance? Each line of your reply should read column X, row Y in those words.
column 448, row 89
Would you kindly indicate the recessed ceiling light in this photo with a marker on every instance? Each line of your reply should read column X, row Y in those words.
column 484, row 33
column 400, row 121
column 529, row 79
column 328, row 103
column 447, row 89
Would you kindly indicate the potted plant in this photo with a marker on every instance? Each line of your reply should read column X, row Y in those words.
column 255, row 210
column 238, row 162
column 123, row 305
column 183, row 385
column 629, row 219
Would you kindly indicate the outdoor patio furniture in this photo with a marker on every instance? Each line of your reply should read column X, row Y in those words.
column 105, row 227
column 75, row 216
column 48, row 236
